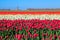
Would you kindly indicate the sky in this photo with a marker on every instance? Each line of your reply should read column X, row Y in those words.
column 25, row 4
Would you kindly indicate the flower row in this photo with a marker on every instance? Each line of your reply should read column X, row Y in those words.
column 34, row 29
column 27, row 17
column 33, row 23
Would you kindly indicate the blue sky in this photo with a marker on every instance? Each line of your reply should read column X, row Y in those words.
column 24, row 4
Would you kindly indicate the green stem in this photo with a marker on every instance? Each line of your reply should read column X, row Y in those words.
column 40, row 34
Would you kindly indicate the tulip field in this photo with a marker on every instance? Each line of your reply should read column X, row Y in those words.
column 29, row 26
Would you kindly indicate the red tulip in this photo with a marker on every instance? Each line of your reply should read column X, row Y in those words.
column 18, row 36
column 35, row 35
column 20, row 28
column 43, row 38
column 50, row 36
column 55, row 36
column 34, row 31
column 1, row 38
column 59, row 37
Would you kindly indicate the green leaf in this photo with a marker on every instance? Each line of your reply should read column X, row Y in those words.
column 49, row 32
column 36, row 38
column 20, row 32
column 4, row 33
column 31, row 31
column 40, row 34
column 1, row 33
column 29, row 39
column 23, row 31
